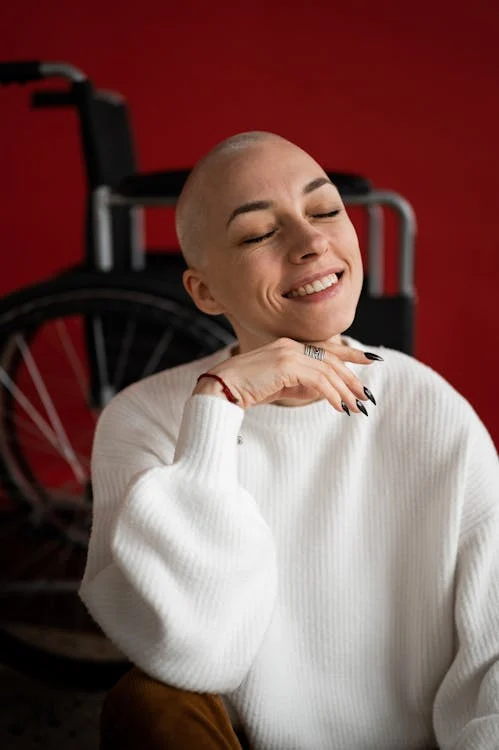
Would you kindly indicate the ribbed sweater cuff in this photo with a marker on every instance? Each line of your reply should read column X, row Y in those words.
column 207, row 441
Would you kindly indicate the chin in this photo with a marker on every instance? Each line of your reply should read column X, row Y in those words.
column 323, row 331
column 306, row 330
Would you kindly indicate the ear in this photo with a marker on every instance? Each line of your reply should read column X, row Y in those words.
column 198, row 289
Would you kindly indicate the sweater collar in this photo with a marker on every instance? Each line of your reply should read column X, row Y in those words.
column 311, row 416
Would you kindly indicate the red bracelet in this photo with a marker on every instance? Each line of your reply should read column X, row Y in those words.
column 228, row 393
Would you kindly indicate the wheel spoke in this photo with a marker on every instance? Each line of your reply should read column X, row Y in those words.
column 106, row 390
column 28, row 407
column 42, row 447
column 74, row 360
column 124, row 352
column 158, row 351
column 39, row 383
column 37, row 379
column 68, row 497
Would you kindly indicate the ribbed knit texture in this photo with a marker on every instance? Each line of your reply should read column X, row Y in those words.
column 336, row 578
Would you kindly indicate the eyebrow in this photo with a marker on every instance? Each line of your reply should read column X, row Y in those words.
column 265, row 205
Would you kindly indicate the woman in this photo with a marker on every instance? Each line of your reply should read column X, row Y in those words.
column 334, row 579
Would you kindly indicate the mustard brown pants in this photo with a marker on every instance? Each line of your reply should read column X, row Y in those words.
column 140, row 713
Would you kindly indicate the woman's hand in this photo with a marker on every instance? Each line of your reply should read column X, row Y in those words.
column 281, row 370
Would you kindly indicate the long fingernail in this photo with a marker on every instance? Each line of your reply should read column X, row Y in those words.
column 376, row 357
column 345, row 408
column 361, row 406
column 369, row 395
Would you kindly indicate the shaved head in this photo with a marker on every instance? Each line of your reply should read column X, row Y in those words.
column 258, row 218
column 193, row 206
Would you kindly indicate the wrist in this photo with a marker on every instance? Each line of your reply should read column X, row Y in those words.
column 218, row 387
column 208, row 387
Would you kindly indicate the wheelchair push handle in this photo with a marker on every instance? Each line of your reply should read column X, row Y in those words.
column 26, row 71
column 20, row 72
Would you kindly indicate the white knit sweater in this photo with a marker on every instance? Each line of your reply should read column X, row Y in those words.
column 337, row 578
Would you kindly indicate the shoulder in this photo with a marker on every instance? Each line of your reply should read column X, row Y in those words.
column 156, row 402
column 418, row 403
column 425, row 391
column 414, row 380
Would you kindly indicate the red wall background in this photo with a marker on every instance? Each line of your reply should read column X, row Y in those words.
column 406, row 93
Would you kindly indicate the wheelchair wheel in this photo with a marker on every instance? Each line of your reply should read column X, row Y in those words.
column 66, row 348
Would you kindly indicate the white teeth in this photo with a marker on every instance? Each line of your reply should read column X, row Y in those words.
column 316, row 286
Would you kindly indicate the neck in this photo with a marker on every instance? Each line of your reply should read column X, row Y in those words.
column 299, row 396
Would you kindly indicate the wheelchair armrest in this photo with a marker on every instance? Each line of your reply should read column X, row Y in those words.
column 170, row 183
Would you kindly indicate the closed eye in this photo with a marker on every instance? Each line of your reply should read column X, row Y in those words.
column 267, row 235
column 260, row 238
column 329, row 215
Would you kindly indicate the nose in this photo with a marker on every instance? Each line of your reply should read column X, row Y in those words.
column 307, row 243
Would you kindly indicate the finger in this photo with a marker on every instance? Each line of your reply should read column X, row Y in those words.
column 321, row 382
column 352, row 381
column 338, row 390
column 349, row 354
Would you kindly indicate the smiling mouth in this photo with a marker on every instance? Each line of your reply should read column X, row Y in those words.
column 319, row 285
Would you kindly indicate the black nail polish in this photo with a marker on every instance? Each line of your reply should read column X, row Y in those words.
column 345, row 408
column 361, row 406
column 369, row 395
column 375, row 357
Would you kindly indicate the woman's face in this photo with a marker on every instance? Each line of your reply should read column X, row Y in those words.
column 280, row 254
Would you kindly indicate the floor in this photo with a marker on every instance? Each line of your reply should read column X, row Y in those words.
column 35, row 715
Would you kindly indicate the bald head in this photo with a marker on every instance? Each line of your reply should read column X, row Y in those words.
column 259, row 217
column 199, row 191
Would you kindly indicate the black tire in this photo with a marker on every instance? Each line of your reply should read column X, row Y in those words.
column 108, row 328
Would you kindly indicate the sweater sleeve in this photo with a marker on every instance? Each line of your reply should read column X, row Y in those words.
column 466, row 709
column 181, row 569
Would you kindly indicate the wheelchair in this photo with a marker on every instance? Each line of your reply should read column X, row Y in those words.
column 70, row 343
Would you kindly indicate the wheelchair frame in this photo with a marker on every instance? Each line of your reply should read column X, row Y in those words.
column 118, row 193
